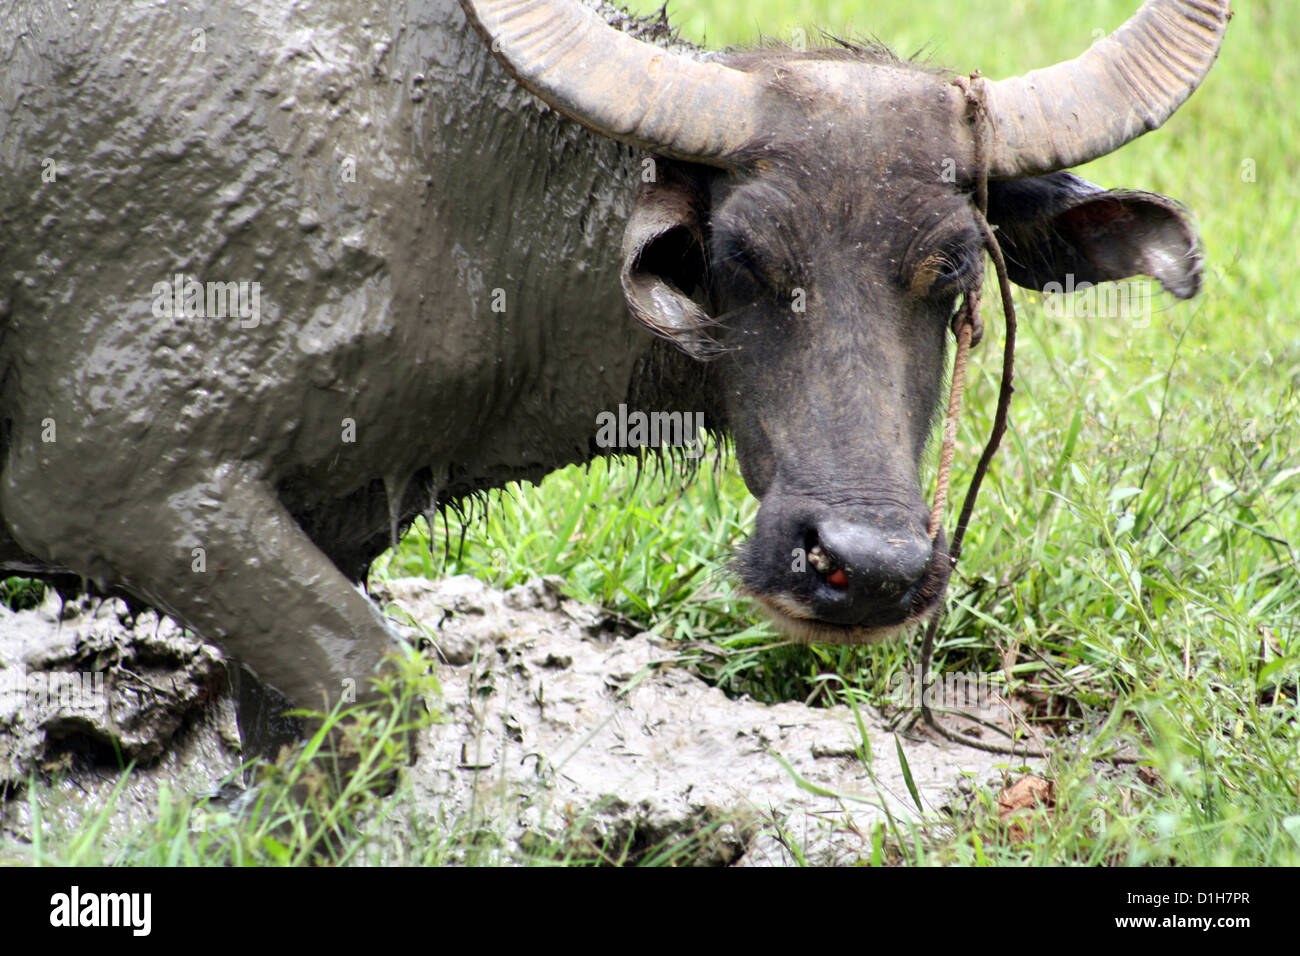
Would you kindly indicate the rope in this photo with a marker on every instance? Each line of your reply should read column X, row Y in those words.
column 964, row 329
column 973, row 88
column 966, row 323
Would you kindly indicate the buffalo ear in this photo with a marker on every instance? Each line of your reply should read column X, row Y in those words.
column 664, row 264
column 1058, row 225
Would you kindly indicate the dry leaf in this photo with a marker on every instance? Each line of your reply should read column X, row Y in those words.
column 1024, row 794
column 1150, row 776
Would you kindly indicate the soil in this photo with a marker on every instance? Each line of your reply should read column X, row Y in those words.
column 554, row 726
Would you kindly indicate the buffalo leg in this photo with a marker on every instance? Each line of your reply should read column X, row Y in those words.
column 229, row 562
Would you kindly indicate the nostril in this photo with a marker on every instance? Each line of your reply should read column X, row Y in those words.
column 823, row 563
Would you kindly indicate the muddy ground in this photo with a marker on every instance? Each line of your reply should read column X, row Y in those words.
column 553, row 725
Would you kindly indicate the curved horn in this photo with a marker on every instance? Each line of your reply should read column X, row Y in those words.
column 617, row 85
column 1125, row 85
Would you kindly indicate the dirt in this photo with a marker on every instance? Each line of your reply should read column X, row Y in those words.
column 554, row 726
column 85, row 689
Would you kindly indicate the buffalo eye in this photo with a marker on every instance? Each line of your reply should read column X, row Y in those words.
column 947, row 271
column 740, row 257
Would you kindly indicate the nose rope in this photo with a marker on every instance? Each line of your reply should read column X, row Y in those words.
column 965, row 324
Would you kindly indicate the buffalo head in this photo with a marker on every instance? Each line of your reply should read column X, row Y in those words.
column 808, row 227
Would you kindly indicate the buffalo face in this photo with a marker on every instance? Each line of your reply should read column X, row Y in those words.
column 808, row 229
column 823, row 306
column 832, row 326
column 821, row 279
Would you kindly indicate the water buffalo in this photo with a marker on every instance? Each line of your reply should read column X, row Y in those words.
column 276, row 278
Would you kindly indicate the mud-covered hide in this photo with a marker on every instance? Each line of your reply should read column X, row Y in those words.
column 436, row 306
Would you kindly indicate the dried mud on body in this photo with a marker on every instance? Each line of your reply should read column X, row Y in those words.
column 557, row 734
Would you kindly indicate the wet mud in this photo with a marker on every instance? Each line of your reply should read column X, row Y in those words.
column 557, row 728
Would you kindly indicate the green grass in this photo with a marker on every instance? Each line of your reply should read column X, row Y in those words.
column 1131, row 566
column 19, row 594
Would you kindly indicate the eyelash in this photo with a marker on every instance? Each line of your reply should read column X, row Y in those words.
column 957, row 268
column 740, row 257
column 957, row 264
